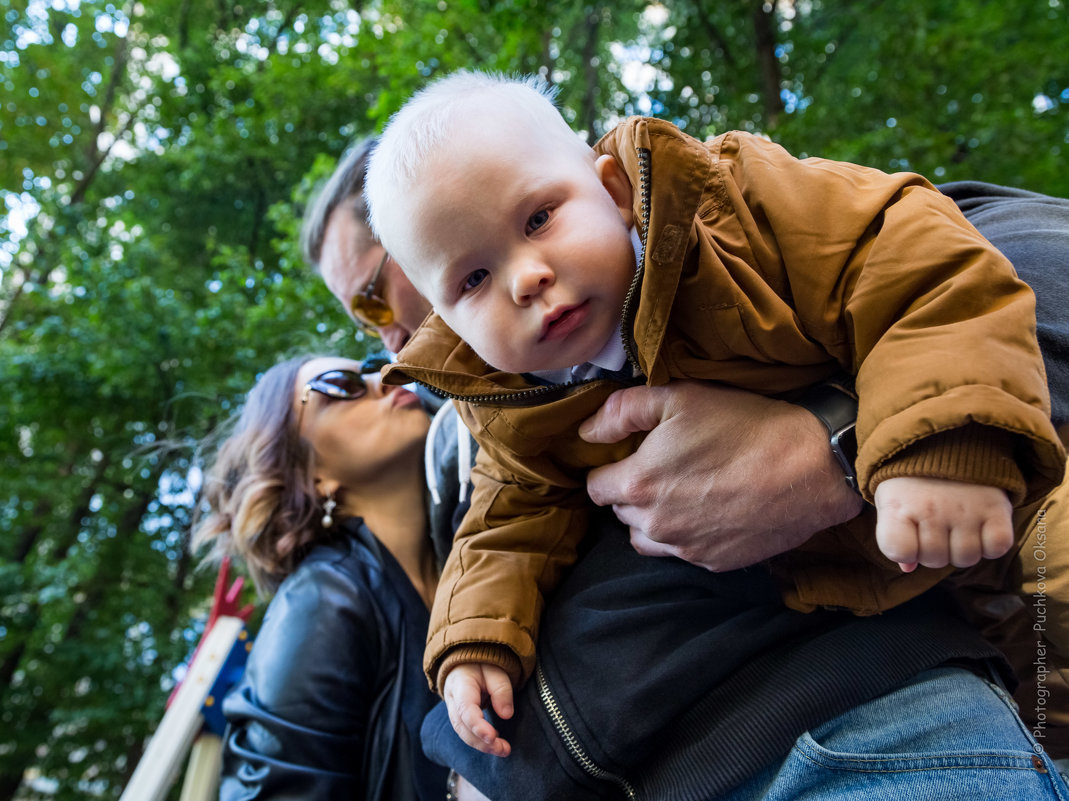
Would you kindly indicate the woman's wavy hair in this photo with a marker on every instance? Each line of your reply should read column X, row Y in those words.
column 259, row 487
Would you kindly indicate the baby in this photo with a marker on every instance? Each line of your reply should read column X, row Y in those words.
column 560, row 272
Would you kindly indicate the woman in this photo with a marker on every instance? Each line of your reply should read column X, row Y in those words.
column 319, row 489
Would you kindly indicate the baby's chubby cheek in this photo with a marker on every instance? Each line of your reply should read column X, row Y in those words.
column 477, row 337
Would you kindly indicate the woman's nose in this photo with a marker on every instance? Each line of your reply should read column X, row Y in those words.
column 530, row 278
column 375, row 388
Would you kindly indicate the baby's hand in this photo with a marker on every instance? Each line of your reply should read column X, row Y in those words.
column 936, row 522
column 465, row 690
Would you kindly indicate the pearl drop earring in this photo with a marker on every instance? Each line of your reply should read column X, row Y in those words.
column 328, row 509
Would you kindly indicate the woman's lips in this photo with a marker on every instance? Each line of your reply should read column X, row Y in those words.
column 400, row 398
column 561, row 322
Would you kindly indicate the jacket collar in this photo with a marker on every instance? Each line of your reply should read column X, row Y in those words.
column 437, row 357
column 649, row 149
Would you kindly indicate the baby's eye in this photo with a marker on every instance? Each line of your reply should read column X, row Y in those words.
column 473, row 280
column 537, row 220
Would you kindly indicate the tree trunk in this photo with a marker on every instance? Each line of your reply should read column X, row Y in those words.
column 588, row 112
column 10, row 783
column 764, row 17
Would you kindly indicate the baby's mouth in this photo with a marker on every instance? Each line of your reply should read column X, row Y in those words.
column 563, row 320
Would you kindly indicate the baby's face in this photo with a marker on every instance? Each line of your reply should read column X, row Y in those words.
column 524, row 251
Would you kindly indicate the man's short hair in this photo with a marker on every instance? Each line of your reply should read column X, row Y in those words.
column 345, row 187
column 416, row 133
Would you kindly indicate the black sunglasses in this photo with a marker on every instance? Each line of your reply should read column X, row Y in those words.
column 336, row 384
column 343, row 384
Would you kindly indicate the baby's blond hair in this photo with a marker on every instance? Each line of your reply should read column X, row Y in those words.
column 426, row 123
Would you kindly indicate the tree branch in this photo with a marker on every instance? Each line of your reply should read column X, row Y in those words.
column 705, row 22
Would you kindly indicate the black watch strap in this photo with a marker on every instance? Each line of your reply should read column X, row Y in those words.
column 835, row 405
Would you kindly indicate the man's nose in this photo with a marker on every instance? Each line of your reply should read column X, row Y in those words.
column 394, row 337
column 530, row 277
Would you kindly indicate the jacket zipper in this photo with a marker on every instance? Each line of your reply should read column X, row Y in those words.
column 571, row 742
column 520, row 397
column 627, row 325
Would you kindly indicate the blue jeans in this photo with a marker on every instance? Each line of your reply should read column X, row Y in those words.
column 946, row 735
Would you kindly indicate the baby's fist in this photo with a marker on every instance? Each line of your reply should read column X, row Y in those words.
column 466, row 688
column 937, row 522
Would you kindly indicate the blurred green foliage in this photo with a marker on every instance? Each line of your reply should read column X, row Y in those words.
column 154, row 162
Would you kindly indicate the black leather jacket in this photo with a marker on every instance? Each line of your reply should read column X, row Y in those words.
column 332, row 699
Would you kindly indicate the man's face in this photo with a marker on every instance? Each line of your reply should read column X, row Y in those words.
column 348, row 261
column 524, row 251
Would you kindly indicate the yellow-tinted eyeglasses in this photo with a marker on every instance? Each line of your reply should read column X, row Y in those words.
column 368, row 308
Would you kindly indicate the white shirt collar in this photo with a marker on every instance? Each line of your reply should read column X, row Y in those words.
column 612, row 356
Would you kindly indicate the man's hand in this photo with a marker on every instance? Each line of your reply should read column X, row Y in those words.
column 466, row 688
column 937, row 522
column 725, row 478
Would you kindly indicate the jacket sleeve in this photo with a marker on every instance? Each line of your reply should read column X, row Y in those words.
column 529, row 511
column 890, row 278
column 297, row 721
column 511, row 549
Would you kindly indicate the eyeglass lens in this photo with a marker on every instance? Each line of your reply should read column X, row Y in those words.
column 341, row 384
column 372, row 311
column 368, row 307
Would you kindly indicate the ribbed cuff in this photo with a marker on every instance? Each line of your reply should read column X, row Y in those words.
column 974, row 453
column 483, row 653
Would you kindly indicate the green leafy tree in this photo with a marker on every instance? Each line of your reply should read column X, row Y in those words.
column 142, row 299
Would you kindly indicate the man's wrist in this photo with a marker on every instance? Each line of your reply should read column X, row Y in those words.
column 834, row 404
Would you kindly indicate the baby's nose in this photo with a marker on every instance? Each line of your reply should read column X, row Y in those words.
column 529, row 279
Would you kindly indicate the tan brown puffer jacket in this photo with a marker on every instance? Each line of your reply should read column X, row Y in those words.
column 768, row 273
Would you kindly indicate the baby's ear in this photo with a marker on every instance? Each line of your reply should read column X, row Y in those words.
column 616, row 183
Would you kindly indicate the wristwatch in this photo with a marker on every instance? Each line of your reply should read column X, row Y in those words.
column 835, row 405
